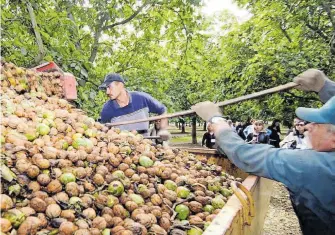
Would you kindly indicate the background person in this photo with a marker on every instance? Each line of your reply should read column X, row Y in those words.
column 274, row 131
column 238, row 125
column 208, row 138
column 291, row 128
column 258, row 136
column 249, row 129
column 308, row 174
column 297, row 138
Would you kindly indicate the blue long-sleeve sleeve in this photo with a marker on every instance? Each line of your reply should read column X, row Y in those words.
column 261, row 159
column 307, row 173
column 328, row 91
column 154, row 105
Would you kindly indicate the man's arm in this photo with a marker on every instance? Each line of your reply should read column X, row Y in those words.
column 283, row 165
column 328, row 91
column 104, row 117
column 156, row 107
column 164, row 122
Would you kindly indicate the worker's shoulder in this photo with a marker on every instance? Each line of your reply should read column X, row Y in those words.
column 310, row 154
column 326, row 158
column 317, row 171
column 109, row 104
column 312, row 159
column 140, row 94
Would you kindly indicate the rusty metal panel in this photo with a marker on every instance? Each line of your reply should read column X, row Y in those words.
column 69, row 86
column 69, row 82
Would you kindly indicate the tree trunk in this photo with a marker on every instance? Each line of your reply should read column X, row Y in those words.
column 194, row 130
column 71, row 17
column 183, row 128
column 97, row 34
column 39, row 41
column 205, row 126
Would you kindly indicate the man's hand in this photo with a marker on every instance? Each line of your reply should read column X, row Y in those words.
column 164, row 135
column 220, row 126
column 206, row 110
column 311, row 80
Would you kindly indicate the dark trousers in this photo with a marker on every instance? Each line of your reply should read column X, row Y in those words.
column 310, row 223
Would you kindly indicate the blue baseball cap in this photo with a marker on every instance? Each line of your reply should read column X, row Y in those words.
column 109, row 78
column 323, row 115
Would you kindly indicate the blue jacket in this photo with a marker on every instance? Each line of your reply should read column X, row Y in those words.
column 328, row 91
column 309, row 175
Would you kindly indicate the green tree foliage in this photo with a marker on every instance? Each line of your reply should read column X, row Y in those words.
column 170, row 50
column 282, row 39
column 140, row 39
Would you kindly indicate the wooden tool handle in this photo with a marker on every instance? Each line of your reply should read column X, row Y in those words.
column 224, row 103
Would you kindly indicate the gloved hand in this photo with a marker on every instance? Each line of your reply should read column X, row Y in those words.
column 164, row 135
column 311, row 80
column 206, row 110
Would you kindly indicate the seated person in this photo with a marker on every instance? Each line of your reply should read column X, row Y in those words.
column 249, row 129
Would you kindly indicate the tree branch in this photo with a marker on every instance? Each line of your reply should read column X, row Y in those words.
column 36, row 32
column 70, row 17
column 94, row 84
column 77, row 43
column 97, row 34
column 125, row 69
column 101, row 27
column 128, row 19
column 327, row 9
column 17, row 18
column 186, row 32
column 300, row 97
column 318, row 31
column 285, row 32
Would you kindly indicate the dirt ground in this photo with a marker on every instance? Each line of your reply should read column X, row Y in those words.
column 281, row 219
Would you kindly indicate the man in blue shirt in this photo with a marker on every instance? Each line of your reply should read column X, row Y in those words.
column 127, row 105
column 309, row 174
